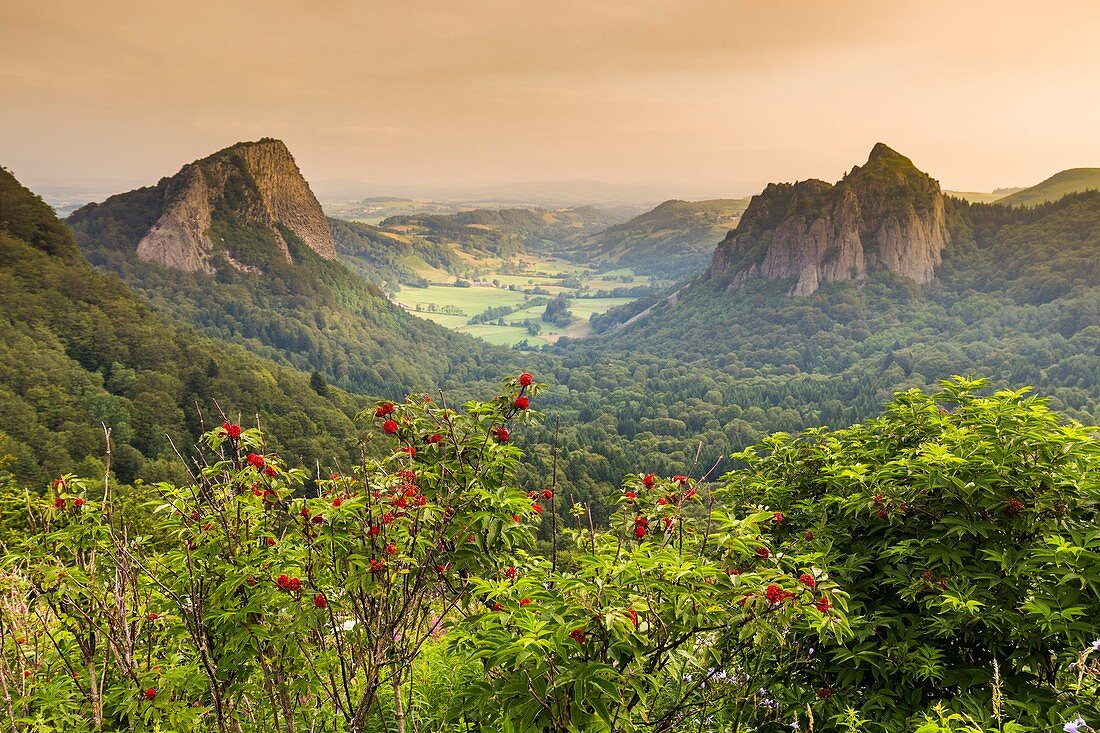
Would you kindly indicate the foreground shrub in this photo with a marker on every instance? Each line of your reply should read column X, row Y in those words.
column 256, row 607
column 965, row 528
column 935, row 570
column 671, row 620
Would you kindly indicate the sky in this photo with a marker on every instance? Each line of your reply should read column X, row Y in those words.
column 697, row 97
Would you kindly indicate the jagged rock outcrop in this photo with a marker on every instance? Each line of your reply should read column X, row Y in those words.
column 249, row 187
column 886, row 212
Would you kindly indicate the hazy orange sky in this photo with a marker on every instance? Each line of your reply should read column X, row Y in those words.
column 705, row 98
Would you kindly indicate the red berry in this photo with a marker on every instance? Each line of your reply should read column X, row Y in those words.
column 391, row 549
column 649, row 480
column 150, row 693
column 386, row 408
column 437, row 438
column 779, row 517
column 78, row 502
column 59, row 502
column 521, row 403
column 525, row 602
column 510, row 573
column 232, row 430
column 503, row 435
column 526, row 380
column 320, row 601
column 547, row 494
column 295, row 584
column 577, row 635
column 256, row 461
column 763, row 552
column 390, row 427
column 807, row 580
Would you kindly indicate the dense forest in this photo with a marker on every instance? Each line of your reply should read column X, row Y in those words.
column 81, row 351
column 677, row 391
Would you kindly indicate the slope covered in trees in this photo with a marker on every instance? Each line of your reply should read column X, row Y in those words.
column 390, row 259
column 78, row 349
column 674, row 240
column 310, row 313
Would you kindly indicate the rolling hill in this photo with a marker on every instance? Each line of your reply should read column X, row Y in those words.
column 674, row 240
column 1065, row 182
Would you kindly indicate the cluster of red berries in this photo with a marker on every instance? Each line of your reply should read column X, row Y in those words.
column 578, row 635
column 266, row 493
column 777, row 595
column 287, row 583
column 641, row 526
column 1013, row 508
column 231, row 429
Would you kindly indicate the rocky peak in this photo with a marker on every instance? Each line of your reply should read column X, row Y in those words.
column 886, row 212
column 251, row 192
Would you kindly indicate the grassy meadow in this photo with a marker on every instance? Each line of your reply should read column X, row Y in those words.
column 453, row 307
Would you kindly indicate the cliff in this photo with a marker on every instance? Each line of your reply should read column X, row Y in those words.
column 885, row 212
column 240, row 204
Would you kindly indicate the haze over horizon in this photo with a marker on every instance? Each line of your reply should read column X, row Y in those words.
column 704, row 98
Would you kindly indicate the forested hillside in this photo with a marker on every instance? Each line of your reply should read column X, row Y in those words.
column 673, row 241
column 389, row 259
column 1017, row 297
column 79, row 350
column 309, row 313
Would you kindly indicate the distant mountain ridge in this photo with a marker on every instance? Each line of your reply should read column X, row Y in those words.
column 250, row 192
column 1073, row 180
column 886, row 212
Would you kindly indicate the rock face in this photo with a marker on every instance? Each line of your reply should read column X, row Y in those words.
column 886, row 212
column 249, row 186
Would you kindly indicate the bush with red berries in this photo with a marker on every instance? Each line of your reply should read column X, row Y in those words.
column 965, row 527
column 258, row 605
column 670, row 611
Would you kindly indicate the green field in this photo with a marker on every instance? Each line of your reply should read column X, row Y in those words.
column 453, row 307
